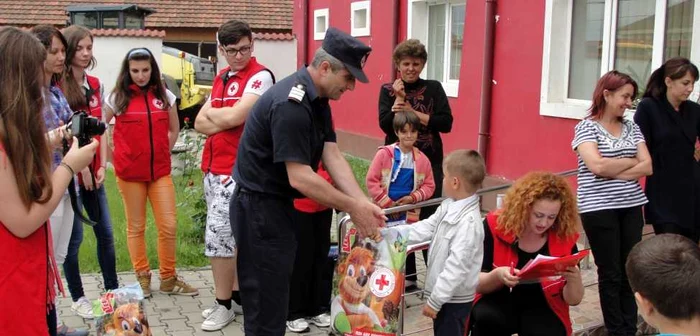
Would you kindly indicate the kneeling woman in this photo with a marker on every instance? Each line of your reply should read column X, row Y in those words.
column 539, row 217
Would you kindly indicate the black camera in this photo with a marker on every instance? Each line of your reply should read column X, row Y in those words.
column 84, row 127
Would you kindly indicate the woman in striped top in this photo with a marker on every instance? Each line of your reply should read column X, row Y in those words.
column 612, row 156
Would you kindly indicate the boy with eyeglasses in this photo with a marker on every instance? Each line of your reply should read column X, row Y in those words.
column 234, row 92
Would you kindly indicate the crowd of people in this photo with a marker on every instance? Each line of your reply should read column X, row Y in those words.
column 273, row 175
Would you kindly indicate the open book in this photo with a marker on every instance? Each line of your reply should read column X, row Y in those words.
column 546, row 266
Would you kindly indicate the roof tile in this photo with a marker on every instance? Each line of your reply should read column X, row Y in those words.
column 262, row 15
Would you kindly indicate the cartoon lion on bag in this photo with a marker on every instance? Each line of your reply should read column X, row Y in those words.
column 353, row 288
column 128, row 320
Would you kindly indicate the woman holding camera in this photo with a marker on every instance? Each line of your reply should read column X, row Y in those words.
column 30, row 192
column 84, row 93
column 145, row 131
column 57, row 113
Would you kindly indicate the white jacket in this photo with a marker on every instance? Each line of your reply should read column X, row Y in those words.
column 456, row 250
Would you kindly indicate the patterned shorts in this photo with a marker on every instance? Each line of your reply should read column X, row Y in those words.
column 218, row 238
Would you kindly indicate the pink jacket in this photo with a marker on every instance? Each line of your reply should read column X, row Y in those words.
column 379, row 179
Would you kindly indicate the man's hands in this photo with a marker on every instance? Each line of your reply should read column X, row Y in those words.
column 368, row 218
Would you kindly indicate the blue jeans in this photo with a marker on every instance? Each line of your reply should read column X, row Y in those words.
column 95, row 203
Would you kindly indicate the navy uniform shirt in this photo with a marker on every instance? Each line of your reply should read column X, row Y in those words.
column 278, row 130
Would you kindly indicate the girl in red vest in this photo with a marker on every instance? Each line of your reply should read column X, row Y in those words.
column 84, row 92
column 539, row 217
column 145, row 131
column 29, row 191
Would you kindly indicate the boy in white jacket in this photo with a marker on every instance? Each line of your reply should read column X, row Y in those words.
column 456, row 250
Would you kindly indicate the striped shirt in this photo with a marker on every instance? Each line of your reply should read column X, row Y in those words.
column 600, row 193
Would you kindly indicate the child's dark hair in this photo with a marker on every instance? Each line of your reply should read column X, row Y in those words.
column 665, row 269
column 232, row 31
column 403, row 118
column 468, row 165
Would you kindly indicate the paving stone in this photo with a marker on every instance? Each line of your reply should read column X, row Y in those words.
column 177, row 325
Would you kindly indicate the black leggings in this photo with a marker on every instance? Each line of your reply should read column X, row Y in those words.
column 51, row 321
column 612, row 234
column 497, row 314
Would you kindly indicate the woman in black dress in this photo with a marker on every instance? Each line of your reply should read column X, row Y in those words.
column 671, row 124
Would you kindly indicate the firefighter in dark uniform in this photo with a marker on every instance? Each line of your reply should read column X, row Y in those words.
column 287, row 133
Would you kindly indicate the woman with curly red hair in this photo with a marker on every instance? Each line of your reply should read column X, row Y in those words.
column 539, row 217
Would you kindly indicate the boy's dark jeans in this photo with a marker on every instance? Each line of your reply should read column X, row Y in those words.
column 452, row 319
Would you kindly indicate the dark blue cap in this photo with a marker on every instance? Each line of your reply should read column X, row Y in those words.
column 348, row 50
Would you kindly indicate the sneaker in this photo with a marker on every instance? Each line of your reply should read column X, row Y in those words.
column 144, row 280
column 63, row 330
column 298, row 325
column 322, row 320
column 176, row 286
column 218, row 318
column 83, row 308
column 238, row 309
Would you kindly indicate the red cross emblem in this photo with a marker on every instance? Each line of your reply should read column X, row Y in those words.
column 381, row 282
column 256, row 84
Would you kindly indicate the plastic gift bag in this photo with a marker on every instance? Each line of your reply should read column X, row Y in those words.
column 120, row 312
column 368, row 284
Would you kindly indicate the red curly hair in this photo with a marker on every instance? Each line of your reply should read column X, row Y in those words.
column 530, row 188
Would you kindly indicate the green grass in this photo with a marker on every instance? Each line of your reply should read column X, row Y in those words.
column 359, row 166
column 190, row 244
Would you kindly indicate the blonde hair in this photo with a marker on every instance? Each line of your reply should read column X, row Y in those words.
column 531, row 188
column 468, row 166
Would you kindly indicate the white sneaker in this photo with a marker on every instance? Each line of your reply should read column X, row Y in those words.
column 323, row 320
column 218, row 318
column 83, row 308
column 298, row 325
column 234, row 306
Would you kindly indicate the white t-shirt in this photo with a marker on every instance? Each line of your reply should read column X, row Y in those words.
column 257, row 84
column 109, row 102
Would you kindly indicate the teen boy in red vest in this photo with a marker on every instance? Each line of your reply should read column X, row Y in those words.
column 235, row 89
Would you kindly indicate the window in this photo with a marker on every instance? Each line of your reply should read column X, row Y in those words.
column 110, row 20
column 86, row 19
column 359, row 18
column 133, row 21
column 443, row 38
column 320, row 23
column 631, row 36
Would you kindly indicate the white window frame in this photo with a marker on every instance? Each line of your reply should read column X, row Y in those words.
column 417, row 28
column 318, row 13
column 554, row 101
column 354, row 8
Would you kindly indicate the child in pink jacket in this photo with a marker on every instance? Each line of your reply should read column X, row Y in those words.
column 400, row 173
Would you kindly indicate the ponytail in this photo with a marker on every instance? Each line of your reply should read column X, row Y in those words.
column 656, row 86
column 674, row 68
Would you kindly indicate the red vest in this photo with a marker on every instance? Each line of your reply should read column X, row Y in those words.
column 94, row 109
column 221, row 149
column 504, row 254
column 308, row 205
column 24, row 282
column 141, row 144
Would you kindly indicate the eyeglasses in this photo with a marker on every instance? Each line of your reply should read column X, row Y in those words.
column 245, row 50
column 138, row 52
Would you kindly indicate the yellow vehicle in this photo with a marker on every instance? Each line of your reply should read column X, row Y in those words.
column 190, row 78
